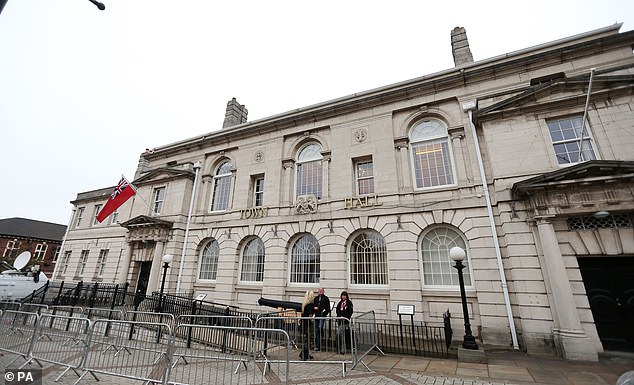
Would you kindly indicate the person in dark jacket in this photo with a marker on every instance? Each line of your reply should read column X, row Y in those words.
column 344, row 309
column 322, row 309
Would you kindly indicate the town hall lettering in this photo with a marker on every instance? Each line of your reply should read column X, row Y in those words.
column 254, row 213
column 356, row 202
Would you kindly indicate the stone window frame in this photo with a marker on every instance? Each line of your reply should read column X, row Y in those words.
column 358, row 179
column 252, row 258
column 563, row 142
column 223, row 192
column 208, row 261
column 303, row 160
column 446, row 265
column 439, row 135
column 158, row 200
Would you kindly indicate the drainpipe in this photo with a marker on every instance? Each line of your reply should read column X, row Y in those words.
column 585, row 116
column 469, row 107
column 61, row 247
column 189, row 218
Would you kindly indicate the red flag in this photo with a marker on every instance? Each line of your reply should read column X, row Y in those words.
column 121, row 193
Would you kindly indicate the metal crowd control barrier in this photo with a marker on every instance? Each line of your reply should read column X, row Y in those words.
column 366, row 337
column 202, row 363
column 34, row 308
column 68, row 311
column 149, row 318
column 141, row 357
column 334, row 342
column 94, row 313
column 17, row 330
column 61, row 341
column 8, row 305
column 222, row 340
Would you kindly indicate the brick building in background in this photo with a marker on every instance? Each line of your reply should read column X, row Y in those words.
column 42, row 239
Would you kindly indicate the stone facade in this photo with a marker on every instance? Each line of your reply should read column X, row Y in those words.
column 261, row 189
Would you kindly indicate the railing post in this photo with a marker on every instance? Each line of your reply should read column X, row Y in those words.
column 44, row 291
column 91, row 302
column 189, row 331
column 59, row 293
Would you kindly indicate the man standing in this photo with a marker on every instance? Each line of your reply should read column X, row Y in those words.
column 322, row 309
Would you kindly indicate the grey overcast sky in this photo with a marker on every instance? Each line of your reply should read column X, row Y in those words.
column 84, row 92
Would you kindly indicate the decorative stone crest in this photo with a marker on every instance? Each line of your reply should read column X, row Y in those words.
column 360, row 135
column 306, row 204
column 258, row 156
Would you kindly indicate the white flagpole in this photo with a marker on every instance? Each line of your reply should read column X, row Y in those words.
column 189, row 218
column 585, row 116
column 137, row 193
column 60, row 257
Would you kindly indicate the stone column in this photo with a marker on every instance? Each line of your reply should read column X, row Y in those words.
column 570, row 337
column 286, row 190
column 124, row 267
column 402, row 172
column 156, row 270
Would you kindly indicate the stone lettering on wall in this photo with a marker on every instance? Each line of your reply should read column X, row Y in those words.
column 254, row 213
column 365, row 201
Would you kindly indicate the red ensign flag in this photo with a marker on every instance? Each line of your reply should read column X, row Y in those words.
column 121, row 193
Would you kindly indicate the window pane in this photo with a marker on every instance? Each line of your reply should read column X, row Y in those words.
column 368, row 259
column 365, row 178
column 437, row 265
column 432, row 166
column 253, row 261
column 305, row 265
column 309, row 178
column 565, row 134
column 209, row 261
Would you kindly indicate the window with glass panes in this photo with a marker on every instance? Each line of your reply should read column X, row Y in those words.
column 159, row 196
column 83, row 260
column 56, row 255
column 114, row 216
column 252, row 267
column 65, row 262
column 258, row 191
column 101, row 265
column 94, row 217
column 437, row 266
column 209, row 260
column 40, row 251
column 368, row 259
column 78, row 216
column 222, row 187
column 365, row 177
column 309, row 171
column 566, row 135
column 431, row 156
column 11, row 250
column 305, row 260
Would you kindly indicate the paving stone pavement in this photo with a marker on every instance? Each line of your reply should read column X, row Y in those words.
column 503, row 368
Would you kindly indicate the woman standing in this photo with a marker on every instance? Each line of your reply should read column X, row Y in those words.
column 344, row 309
column 307, row 313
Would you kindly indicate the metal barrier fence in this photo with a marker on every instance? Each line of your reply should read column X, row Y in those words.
column 131, row 350
column 17, row 330
column 318, row 339
column 226, row 340
column 413, row 338
column 365, row 335
column 247, row 362
column 61, row 341
column 8, row 305
column 34, row 308
column 68, row 311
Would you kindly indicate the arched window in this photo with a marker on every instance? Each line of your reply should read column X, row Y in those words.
column 209, row 260
column 436, row 264
column 431, row 156
column 305, row 260
column 252, row 267
column 222, row 187
column 368, row 259
column 309, row 171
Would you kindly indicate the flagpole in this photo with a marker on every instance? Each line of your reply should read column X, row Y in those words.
column 137, row 193
column 189, row 218
column 585, row 116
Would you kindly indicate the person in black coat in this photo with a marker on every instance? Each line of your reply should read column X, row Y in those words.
column 322, row 309
column 344, row 309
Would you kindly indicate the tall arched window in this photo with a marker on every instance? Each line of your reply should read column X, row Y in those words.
column 252, row 267
column 431, row 156
column 209, row 260
column 309, row 170
column 222, row 187
column 368, row 259
column 436, row 264
column 305, row 260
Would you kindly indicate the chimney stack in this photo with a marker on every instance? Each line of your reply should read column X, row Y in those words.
column 236, row 114
column 460, row 47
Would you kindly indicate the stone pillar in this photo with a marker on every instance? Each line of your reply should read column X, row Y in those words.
column 124, row 267
column 406, row 179
column 156, row 270
column 570, row 337
column 325, row 169
column 286, row 191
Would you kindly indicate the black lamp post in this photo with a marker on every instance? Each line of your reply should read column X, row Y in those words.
column 458, row 255
column 167, row 258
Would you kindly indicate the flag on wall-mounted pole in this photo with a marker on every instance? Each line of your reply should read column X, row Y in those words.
column 122, row 192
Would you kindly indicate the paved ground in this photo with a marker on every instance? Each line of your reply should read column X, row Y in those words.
column 503, row 368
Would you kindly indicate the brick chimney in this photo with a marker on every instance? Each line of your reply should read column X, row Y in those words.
column 236, row 114
column 460, row 47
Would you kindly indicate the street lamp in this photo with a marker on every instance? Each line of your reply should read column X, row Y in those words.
column 167, row 259
column 458, row 255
